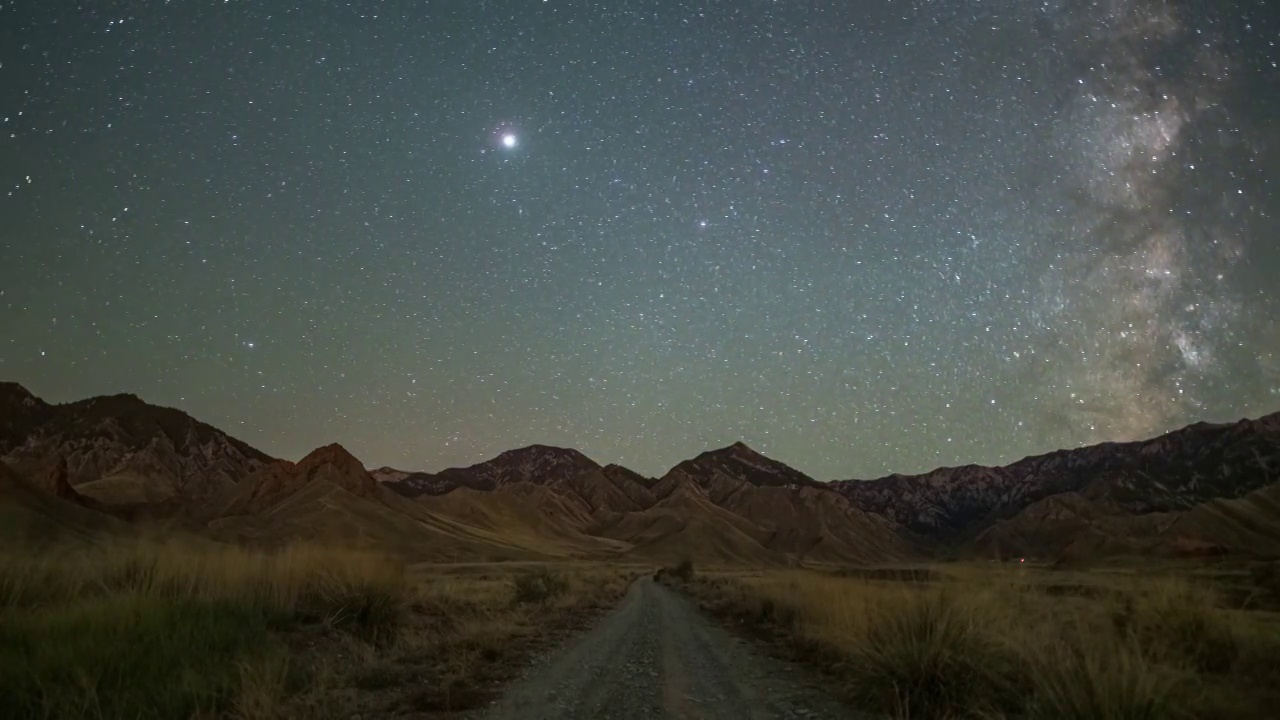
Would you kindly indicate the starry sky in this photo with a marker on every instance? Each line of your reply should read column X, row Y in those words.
column 861, row 237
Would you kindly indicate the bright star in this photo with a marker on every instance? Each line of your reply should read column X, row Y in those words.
column 509, row 140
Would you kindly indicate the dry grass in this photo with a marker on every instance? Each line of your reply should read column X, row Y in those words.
column 1074, row 682
column 291, row 579
column 173, row 630
column 156, row 629
column 473, row 630
column 990, row 643
column 539, row 586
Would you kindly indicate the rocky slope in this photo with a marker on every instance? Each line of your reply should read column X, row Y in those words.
column 742, row 464
column 1203, row 489
column 280, row 479
column 1174, row 472
column 783, row 510
column 1071, row 527
column 728, row 505
column 542, row 464
column 119, row 449
column 580, row 480
column 329, row 497
column 32, row 517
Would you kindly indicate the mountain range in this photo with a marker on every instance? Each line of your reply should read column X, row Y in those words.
column 1140, row 496
column 86, row 468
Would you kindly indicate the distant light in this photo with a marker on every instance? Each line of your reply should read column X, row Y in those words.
column 509, row 140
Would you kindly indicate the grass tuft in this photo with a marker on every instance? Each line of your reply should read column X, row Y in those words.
column 925, row 655
column 538, row 586
column 1180, row 624
column 1099, row 683
column 977, row 641
column 264, row 688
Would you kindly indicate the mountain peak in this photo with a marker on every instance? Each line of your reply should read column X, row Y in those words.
column 20, row 413
column 280, row 479
column 537, row 464
column 120, row 436
column 331, row 454
column 547, row 452
column 740, row 451
column 743, row 450
column 120, row 402
column 12, row 391
column 528, row 463
column 742, row 462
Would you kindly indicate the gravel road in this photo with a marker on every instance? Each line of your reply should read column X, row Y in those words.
column 656, row 656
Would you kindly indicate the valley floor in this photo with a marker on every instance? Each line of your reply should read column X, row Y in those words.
column 178, row 629
column 994, row 641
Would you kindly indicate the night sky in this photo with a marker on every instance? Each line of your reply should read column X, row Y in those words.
column 863, row 237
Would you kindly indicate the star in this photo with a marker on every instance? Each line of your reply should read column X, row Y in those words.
column 713, row 237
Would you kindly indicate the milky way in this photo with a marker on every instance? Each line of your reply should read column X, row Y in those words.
column 1147, row 317
column 861, row 237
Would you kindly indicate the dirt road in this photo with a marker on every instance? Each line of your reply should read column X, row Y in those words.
column 657, row 657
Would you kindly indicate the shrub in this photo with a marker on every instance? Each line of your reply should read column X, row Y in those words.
column 778, row 614
column 683, row 571
column 539, row 586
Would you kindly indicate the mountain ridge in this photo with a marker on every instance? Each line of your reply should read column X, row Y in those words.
column 1171, row 472
column 1207, row 487
column 118, row 449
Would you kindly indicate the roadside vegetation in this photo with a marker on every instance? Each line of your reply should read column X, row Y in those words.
column 965, row 642
column 680, row 574
column 192, row 629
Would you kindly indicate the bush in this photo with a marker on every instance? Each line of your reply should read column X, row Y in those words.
column 539, row 586
column 778, row 614
column 683, row 571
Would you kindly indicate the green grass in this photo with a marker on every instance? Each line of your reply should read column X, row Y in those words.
column 127, row 657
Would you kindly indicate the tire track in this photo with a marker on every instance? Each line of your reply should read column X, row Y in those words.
column 656, row 656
